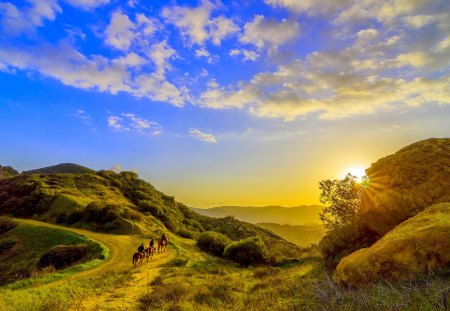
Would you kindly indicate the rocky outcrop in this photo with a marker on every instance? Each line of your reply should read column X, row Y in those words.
column 405, row 183
column 419, row 244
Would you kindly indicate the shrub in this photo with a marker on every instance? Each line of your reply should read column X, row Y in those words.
column 213, row 242
column 185, row 233
column 6, row 244
column 62, row 256
column 148, row 206
column 6, row 225
column 343, row 241
column 248, row 252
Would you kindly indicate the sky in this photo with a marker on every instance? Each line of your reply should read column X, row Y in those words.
column 222, row 102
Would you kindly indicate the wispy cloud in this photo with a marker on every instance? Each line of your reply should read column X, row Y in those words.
column 132, row 123
column 209, row 138
column 81, row 114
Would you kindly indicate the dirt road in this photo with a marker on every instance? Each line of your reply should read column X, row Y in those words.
column 124, row 296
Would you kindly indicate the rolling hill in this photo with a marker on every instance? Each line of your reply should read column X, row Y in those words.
column 63, row 168
column 7, row 171
column 120, row 203
column 298, row 215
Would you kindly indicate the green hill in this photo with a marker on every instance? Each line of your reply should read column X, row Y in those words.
column 22, row 246
column 119, row 203
column 7, row 171
column 63, row 168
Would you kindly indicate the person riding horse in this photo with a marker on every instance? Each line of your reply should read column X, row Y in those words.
column 141, row 248
column 163, row 237
column 152, row 243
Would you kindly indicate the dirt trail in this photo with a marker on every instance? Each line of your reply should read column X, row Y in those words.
column 124, row 296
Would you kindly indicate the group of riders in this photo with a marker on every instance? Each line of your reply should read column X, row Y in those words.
column 143, row 252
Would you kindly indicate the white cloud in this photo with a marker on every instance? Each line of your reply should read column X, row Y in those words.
column 131, row 60
column 80, row 113
column 234, row 52
column 221, row 28
column 87, row 4
column 114, row 122
column 269, row 33
column 152, row 86
column 98, row 73
column 149, row 26
column 209, row 138
column 196, row 25
column 120, row 31
column 247, row 54
column 201, row 53
column 15, row 21
column 160, row 54
column 309, row 6
column 130, row 122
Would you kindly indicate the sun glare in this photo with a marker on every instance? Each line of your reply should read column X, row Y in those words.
column 357, row 171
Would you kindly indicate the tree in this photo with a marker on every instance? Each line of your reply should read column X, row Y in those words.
column 344, row 198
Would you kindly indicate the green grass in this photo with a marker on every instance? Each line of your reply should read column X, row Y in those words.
column 20, row 261
column 62, row 295
column 210, row 283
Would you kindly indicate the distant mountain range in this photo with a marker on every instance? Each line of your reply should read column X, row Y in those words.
column 298, row 215
column 63, row 168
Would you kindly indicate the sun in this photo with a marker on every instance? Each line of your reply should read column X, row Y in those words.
column 357, row 171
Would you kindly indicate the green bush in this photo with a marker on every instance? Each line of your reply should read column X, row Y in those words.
column 213, row 242
column 62, row 256
column 343, row 241
column 186, row 233
column 6, row 224
column 250, row 251
column 6, row 244
column 148, row 206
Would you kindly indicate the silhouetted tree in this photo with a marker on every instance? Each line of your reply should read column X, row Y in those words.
column 343, row 197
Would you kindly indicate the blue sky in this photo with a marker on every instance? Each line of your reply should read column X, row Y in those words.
column 232, row 102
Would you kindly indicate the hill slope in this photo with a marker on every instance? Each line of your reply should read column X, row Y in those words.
column 298, row 215
column 7, row 171
column 119, row 203
column 63, row 168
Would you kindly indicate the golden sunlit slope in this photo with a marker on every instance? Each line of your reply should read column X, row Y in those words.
column 406, row 182
column 419, row 244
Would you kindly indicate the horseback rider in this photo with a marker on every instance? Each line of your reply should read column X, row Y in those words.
column 141, row 248
column 163, row 237
column 152, row 243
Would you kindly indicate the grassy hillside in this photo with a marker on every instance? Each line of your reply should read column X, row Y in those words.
column 22, row 246
column 63, row 168
column 7, row 171
column 119, row 203
column 298, row 215
column 304, row 235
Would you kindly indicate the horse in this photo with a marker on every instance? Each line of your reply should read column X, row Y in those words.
column 162, row 244
column 149, row 252
column 137, row 258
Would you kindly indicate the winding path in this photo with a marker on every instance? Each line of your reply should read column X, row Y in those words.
column 121, row 247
